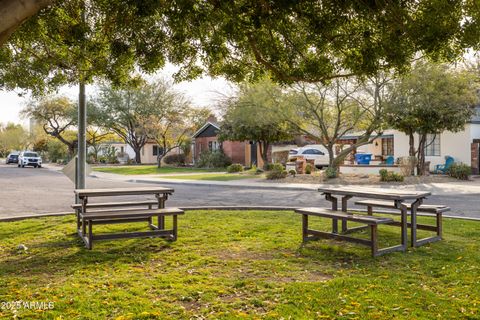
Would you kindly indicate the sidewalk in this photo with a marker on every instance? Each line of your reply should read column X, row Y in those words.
column 472, row 187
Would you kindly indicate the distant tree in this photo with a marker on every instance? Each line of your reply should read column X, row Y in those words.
column 12, row 137
column 431, row 99
column 253, row 115
column 328, row 112
column 56, row 115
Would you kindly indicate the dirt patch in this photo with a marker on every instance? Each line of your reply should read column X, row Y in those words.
column 365, row 179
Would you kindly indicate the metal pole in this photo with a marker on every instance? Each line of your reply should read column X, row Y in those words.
column 82, row 142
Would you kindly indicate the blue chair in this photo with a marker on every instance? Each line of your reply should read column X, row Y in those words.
column 390, row 161
column 443, row 168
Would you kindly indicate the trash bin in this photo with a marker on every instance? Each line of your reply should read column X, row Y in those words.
column 363, row 158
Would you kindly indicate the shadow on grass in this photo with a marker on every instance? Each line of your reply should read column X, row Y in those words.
column 63, row 256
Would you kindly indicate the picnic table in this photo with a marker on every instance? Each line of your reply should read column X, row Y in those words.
column 406, row 201
column 124, row 212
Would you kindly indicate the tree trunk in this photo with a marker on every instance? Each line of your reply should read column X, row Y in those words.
column 138, row 157
column 13, row 13
column 263, row 145
column 159, row 159
column 421, row 154
column 411, row 151
column 331, row 156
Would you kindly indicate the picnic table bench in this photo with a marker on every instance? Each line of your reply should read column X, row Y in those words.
column 436, row 210
column 371, row 221
column 407, row 202
column 124, row 212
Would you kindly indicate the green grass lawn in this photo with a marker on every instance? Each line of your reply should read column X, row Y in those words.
column 235, row 265
column 215, row 177
column 132, row 170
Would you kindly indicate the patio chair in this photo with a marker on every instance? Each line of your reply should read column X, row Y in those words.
column 443, row 168
column 390, row 161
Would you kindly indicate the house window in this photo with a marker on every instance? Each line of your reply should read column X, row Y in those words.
column 157, row 150
column 387, row 146
column 213, row 145
column 121, row 150
column 432, row 145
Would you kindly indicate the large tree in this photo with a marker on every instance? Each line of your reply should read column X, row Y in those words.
column 345, row 106
column 127, row 113
column 170, row 123
column 431, row 99
column 253, row 115
column 315, row 40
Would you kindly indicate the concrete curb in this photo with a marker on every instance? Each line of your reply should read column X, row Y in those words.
column 225, row 208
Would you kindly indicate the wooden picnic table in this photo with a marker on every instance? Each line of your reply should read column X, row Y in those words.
column 399, row 197
column 128, row 213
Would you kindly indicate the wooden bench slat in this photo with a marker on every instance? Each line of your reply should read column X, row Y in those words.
column 117, row 204
column 103, row 214
column 327, row 213
column 388, row 204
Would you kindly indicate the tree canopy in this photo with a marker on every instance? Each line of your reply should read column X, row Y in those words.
column 291, row 41
column 431, row 99
column 253, row 115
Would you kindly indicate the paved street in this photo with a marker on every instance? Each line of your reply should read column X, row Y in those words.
column 29, row 190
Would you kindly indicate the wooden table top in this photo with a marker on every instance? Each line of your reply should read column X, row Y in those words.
column 376, row 193
column 121, row 191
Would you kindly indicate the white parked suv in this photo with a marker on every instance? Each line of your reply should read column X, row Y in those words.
column 315, row 152
column 29, row 158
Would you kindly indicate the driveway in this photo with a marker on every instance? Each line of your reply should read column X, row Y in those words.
column 33, row 191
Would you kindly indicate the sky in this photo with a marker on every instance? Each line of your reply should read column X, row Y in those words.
column 202, row 92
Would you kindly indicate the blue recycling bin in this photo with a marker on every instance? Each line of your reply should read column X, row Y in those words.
column 363, row 158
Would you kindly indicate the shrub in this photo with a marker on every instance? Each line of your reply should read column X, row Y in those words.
column 213, row 159
column 235, row 167
column 269, row 166
column 259, row 171
column 276, row 167
column 308, row 168
column 175, row 159
column 459, row 171
column 292, row 173
column 277, row 172
column 388, row 176
column 274, row 174
column 330, row 173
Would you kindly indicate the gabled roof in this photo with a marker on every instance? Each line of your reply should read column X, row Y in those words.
column 205, row 126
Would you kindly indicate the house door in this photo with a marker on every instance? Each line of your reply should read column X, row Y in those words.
column 253, row 153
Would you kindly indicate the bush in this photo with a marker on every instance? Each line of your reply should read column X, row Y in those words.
column 292, row 173
column 235, row 167
column 330, row 173
column 269, row 166
column 274, row 174
column 276, row 167
column 213, row 159
column 388, row 176
column 174, row 159
column 259, row 171
column 277, row 172
column 459, row 171
column 308, row 168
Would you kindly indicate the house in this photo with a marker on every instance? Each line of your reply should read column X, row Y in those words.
column 246, row 153
column 463, row 146
column 149, row 152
